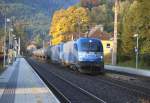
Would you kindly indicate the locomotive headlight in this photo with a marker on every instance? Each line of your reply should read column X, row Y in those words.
column 80, row 59
column 81, row 55
column 101, row 57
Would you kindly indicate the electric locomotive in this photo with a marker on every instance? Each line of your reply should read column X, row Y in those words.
column 84, row 54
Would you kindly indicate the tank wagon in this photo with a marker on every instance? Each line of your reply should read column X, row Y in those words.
column 40, row 53
column 55, row 54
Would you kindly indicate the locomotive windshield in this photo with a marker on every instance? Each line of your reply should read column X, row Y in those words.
column 90, row 46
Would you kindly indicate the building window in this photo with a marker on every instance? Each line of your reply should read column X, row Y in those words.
column 108, row 45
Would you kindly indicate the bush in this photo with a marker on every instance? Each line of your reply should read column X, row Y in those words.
column 124, row 58
column 145, row 59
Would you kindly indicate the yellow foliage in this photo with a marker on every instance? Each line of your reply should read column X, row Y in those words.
column 65, row 22
column 57, row 40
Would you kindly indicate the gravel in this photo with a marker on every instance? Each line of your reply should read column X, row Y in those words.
column 97, row 85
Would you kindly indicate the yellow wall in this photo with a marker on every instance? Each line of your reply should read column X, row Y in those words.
column 107, row 49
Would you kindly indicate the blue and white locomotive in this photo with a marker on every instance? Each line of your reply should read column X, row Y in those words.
column 84, row 54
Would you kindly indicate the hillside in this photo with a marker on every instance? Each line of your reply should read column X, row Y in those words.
column 36, row 14
column 45, row 5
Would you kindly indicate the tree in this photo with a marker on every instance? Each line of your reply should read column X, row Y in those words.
column 102, row 15
column 100, row 12
column 18, row 31
column 38, row 40
column 66, row 22
column 123, row 9
column 1, row 32
column 136, row 21
column 90, row 3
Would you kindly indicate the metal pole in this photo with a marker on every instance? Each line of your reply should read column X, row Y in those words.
column 4, row 61
column 114, row 57
column 43, row 40
column 9, row 37
column 137, row 52
column 43, row 44
column 18, row 46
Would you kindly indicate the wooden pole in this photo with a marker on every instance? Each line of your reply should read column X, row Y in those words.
column 114, row 56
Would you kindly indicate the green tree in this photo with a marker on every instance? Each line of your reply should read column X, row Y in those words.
column 1, row 32
column 38, row 40
column 20, row 33
column 136, row 21
column 102, row 15
column 124, row 6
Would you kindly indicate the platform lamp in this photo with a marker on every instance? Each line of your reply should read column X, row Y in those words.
column 10, row 37
column 137, row 48
column 7, row 20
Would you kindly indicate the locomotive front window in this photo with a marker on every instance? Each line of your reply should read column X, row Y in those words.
column 90, row 47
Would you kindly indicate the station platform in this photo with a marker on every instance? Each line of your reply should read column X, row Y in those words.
column 19, row 83
column 140, row 72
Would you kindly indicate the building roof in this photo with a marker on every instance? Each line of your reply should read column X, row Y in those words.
column 97, row 32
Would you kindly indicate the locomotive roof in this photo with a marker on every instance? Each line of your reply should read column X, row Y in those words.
column 85, row 38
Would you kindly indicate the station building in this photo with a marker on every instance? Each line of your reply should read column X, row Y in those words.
column 107, row 41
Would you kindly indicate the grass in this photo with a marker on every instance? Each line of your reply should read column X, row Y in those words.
column 133, row 65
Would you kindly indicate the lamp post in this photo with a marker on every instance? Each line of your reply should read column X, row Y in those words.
column 10, row 37
column 137, row 48
column 19, row 44
column 4, row 61
column 43, row 34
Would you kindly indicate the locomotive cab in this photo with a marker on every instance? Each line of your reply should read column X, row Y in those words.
column 90, row 56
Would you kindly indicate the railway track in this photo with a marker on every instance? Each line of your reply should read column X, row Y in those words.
column 110, row 90
column 132, row 89
column 137, row 90
column 66, row 91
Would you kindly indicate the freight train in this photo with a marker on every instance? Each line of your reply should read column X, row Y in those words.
column 83, row 55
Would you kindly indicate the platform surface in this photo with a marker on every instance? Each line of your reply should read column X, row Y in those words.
column 140, row 72
column 19, row 83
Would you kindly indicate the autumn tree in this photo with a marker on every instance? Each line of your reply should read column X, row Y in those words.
column 136, row 21
column 66, row 22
